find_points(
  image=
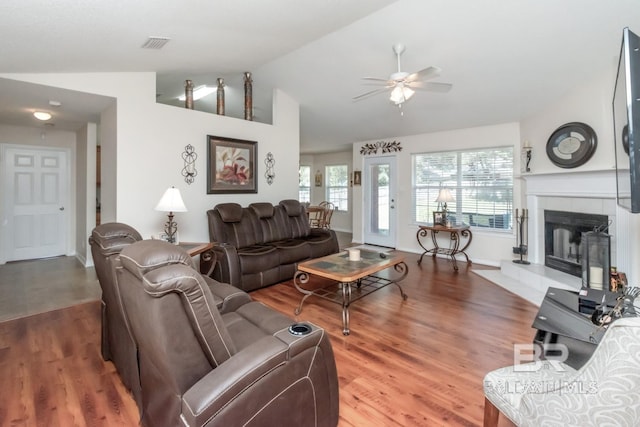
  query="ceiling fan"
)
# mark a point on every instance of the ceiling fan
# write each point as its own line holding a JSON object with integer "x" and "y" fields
{"x": 402, "y": 85}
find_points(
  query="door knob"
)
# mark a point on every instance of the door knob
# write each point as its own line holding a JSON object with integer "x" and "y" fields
{"x": 62, "y": 208}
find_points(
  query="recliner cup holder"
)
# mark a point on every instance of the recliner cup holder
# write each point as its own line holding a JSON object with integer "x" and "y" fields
{"x": 299, "y": 329}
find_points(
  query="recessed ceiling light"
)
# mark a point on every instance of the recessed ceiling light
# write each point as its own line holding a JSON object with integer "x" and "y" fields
{"x": 41, "y": 115}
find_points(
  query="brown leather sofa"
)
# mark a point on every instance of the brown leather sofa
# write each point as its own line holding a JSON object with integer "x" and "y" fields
{"x": 200, "y": 367}
{"x": 262, "y": 244}
{"x": 107, "y": 241}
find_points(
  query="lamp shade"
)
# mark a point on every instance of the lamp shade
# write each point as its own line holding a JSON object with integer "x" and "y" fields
{"x": 171, "y": 201}
{"x": 445, "y": 196}
{"x": 400, "y": 94}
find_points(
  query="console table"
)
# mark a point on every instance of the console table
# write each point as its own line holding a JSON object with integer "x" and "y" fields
{"x": 205, "y": 250}
{"x": 456, "y": 232}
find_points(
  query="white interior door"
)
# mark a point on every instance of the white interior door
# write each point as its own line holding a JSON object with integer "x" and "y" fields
{"x": 36, "y": 193}
{"x": 379, "y": 183}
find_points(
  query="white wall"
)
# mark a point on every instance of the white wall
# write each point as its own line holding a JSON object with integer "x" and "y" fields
{"x": 501, "y": 243}
{"x": 592, "y": 105}
{"x": 149, "y": 139}
{"x": 340, "y": 221}
{"x": 86, "y": 190}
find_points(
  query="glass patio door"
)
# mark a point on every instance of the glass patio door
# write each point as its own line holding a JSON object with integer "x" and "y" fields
{"x": 379, "y": 184}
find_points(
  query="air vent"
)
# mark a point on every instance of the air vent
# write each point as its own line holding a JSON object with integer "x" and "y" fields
{"x": 155, "y": 42}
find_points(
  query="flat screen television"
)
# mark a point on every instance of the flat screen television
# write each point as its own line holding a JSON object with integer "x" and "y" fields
{"x": 626, "y": 123}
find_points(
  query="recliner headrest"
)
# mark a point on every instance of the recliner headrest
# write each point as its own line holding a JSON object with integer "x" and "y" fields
{"x": 292, "y": 207}
{"x": 203, "y": 315}
{"x": 111, "y": 237}
{"x": 263, "y": 210}
{"x": 147, "y": 255}
{"x": 229, "y": 212}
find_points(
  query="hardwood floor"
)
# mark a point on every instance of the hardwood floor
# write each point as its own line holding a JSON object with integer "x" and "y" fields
{"x": 414, "y": 363}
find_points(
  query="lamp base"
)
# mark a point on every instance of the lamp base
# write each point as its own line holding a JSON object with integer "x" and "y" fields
{"x": 171, "y": 229}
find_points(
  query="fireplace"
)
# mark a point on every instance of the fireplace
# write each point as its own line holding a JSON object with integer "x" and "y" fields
{"x": 562, "y": 237}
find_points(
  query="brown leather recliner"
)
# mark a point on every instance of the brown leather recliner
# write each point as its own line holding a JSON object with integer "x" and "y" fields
{"x": 107, "y": 240}
{"x": 118, "y": 344}
{"x": 202, "y": 367}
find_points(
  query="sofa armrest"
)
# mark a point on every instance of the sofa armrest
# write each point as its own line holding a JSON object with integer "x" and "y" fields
{"x": 231, "y": 297}
{"x": 228, "y": 381}
{"x": 227, "y": 269}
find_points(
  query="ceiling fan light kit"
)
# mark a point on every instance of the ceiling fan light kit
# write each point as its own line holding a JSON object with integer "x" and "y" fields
{"x": 403, "y": 84}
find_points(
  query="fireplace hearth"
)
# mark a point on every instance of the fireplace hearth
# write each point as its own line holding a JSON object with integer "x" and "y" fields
{"x": 563, "y": 235}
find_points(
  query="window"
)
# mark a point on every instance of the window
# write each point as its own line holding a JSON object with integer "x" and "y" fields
{"x": 481, "y": 182}
{"x": 337, "y": 185}
{"x": 304, "y": 184}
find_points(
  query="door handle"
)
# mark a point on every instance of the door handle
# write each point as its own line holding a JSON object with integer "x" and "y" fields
{"x": 61, "y": 208}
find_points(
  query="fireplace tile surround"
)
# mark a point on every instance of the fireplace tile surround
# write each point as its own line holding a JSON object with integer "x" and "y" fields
{"x": 591, "y": 192}
{"x": 586, "y": 192}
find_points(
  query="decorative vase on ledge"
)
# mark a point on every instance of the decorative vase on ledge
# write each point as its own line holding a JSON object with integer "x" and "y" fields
{"x": 248, "y": 96}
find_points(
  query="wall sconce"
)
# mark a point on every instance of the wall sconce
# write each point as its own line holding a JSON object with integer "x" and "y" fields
{"x": 526, "y": 157}
{"x": 189, "y": 170}
{"x": 270, "y": 162}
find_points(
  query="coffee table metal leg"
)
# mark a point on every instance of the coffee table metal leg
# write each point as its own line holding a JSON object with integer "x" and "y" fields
{"x": 404, "y": 270}
{"x": 303, "y": 278}
{"x": 346, "y": 300}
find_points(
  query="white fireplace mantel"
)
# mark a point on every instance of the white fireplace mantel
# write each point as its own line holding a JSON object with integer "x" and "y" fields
{"x": 589, "y": 184}
{"x": 584, "y": 191}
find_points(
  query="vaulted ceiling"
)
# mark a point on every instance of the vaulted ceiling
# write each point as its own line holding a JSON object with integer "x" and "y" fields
{"x": 505, "y": 59}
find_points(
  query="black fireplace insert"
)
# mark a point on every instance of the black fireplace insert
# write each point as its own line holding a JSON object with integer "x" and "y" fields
{"x": 562, "y": 237}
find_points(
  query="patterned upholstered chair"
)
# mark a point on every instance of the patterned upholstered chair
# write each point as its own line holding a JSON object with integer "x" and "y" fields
{"x": 605, "y": 391}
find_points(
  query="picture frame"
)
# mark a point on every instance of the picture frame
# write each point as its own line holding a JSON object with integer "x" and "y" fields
{"x": 318, "y": 179}
{"x": 357, "y": 177}
{"x": 439, "y": 218}
{"x": 231, "y": 165}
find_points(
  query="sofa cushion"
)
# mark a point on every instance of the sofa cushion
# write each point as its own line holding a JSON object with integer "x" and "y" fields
{"x": 292, "y": 250}
{"x": 230, "y": 223}
{"x": 294, "y": 219}
{"x": 322, "y": 242}
{"x": 230, "y": 212}
{"x": 264, "y": 216}
{"x": 258, "y": 258}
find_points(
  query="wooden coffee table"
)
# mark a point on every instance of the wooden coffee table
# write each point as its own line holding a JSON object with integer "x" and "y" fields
{"x": 363, "y": 274}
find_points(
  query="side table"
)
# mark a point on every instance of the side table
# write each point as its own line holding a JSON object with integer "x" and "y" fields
{"x": 207, "y": 256}
{"x": 456, "y": 232}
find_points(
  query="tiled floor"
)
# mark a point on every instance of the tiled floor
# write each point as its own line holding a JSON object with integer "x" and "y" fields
{"x": 37, "y": 286}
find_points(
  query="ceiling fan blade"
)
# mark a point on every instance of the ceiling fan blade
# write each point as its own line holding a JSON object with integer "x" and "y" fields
{"x": 427, "y": 73}
{"x": 370, "y": 93}
{"x": 431, "y": 86}
{"x": 376, "y": 79}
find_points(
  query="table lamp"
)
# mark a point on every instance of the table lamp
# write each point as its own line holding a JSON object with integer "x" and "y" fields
{"x": 171, "y": 202}
{"x": 444, "y": 196}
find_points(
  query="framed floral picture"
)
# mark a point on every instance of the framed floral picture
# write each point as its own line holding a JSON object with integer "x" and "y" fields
{"x": 231, "y": 165}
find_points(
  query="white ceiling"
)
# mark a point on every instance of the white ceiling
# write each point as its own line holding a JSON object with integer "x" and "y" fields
{"x": 505, "y": 59}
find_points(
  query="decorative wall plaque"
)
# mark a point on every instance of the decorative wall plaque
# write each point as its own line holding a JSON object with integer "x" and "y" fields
{"x": 385, "y": 146}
